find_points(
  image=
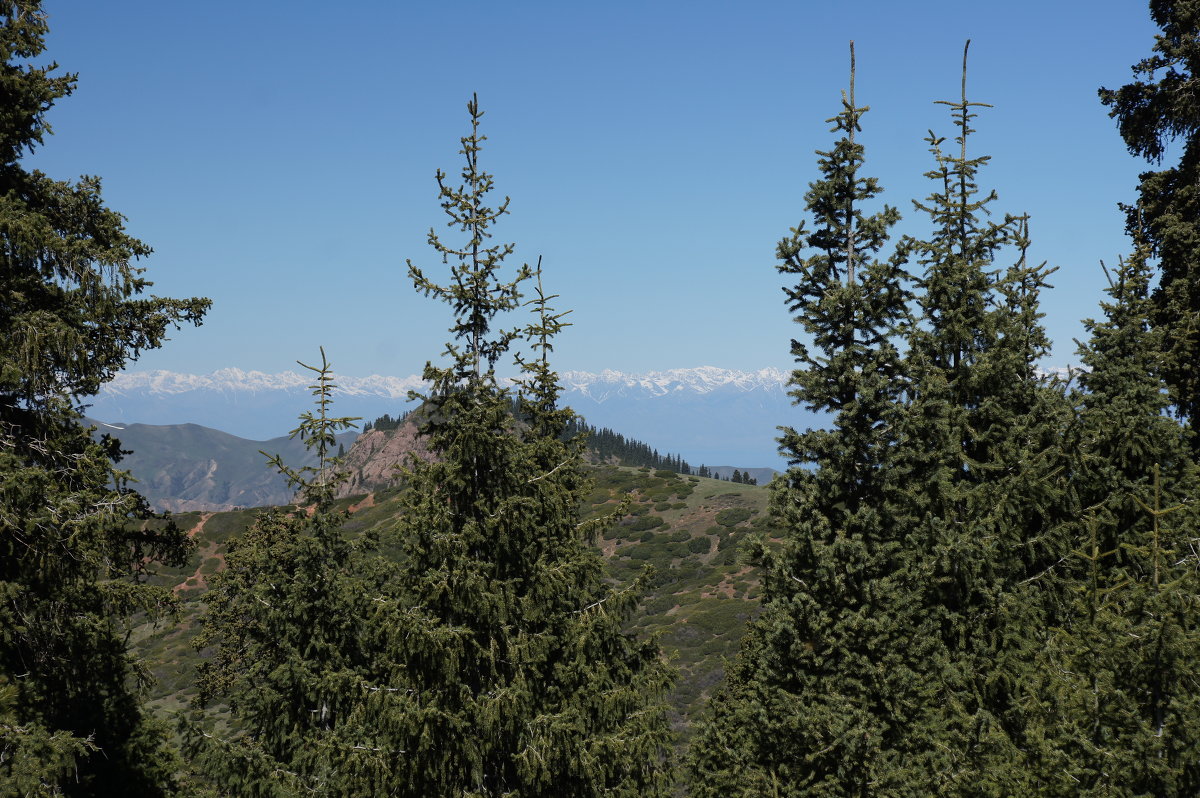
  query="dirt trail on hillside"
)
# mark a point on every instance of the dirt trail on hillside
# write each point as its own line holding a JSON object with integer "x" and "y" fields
{"x": 368, "y": 501}
{"x": 197, "y": 580}
{"x": 199, "y": 527}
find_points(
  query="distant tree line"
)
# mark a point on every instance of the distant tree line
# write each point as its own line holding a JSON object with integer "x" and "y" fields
{"x": 386, "y": 423}
{"x": 608, "y": 445}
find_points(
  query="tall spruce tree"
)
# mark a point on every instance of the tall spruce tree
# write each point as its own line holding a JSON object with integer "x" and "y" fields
{"x": 826, "y": 693}
{"x": 1120, "y": 675}
{"x": 501, "y": 667}
{"x": 71, "y": 552}
{"x": 979, "y": 472}
{"x": 1154, "y": 111}
{"x": 284, "y": 622}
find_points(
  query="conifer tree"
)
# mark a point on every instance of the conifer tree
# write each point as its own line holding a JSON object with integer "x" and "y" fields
{"x": 72, "y": 552}
{"x": 502, "y": 668}
{"x": 285, "y": 624}
{"x": 1155, "y": 110}
{"x": 825, "y": 696}
{"x": 1120, "y": 675}
{"x": 978, "y": 471}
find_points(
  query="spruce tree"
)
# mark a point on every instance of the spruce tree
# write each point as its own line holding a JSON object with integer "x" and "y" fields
{"x": 501, "y": 667}
{"x": 1119, "y": 675}
{"x": 284, "y": 622}
{"x": 1154, "y": 111}
{"x": 826, "y": 694}
{"x": 73, "y": 555}
{"x": 978, "y": 472}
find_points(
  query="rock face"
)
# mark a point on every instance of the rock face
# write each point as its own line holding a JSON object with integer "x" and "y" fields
{"x": 373, "y": 458}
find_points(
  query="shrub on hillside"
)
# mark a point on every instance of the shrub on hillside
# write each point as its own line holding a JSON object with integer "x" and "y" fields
{"x": 733, "y": 516}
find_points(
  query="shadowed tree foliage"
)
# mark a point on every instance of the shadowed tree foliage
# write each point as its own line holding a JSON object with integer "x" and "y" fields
{"x": 1121, "y": 682}
{"x": 71, "y": 561}
{"x": 1157, "y": 110}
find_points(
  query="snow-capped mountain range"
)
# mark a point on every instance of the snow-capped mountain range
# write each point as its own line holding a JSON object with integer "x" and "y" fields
{"x": 707, "y": 414}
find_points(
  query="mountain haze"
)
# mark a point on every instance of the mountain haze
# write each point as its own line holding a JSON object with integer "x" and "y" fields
{"x": 189, "y": 467}
{"x": 706, "y": 414}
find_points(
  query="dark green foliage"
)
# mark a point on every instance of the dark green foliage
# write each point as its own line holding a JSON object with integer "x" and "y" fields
{"x": 1152, "y": 112}
{"x": 608, "y": 446}
{"x": 70, "y": 560}
{"x": 645, "y": 522}
{"x": 1121, "y": 671}
{"x": 500, "y": 664}
{"x": 979, "y": 480}
{"x": 386, "y": 423}
{"x": 733, "y": 516}
{"x": 285, "y": 625}
{"x": 828, "y": 684}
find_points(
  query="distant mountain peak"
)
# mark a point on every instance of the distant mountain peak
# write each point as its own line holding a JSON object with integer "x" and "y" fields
{"x": 235, "y": 379}
{"x": 699, "y": 380}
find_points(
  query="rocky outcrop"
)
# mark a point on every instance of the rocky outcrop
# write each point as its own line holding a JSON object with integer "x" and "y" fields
{"x": 375, "y": 456}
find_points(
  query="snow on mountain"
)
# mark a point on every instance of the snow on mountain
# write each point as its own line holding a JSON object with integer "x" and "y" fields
{"x": 707, "y": 414}
{"x": 702, "y": 380}
{"x": 233, "y": 379}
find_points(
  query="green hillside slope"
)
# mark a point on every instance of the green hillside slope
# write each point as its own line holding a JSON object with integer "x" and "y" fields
{"x": 687, "y": 529}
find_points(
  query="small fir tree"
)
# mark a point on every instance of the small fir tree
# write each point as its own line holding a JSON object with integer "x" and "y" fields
{"x": 285, "y": 621}
{"x": 828, "y": 686}
{"x": 73, "y": 550}
{"x": 502, "y": 667}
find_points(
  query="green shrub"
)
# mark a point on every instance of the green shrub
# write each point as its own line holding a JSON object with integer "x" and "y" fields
{"x": 733, "y": 516}
{"x": 674, "y": 550}
{"x": 699, "y": 545}
{"x": 679, "y": 506}
{"x": 661, "y": 506}
{"x": 647, "y": 522}
{"x": 729, "y": 539}
{"x": 726, "y": 557}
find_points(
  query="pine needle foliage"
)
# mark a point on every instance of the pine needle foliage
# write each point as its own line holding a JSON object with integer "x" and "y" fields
{"x": 826, "y": 690}
{"x": 501, "y": 667}
{"x": 1121, "y": 680}
{"x": 979, "y": 470}
{"x": 1155, "y": 111}
{"x": 284, "y": 622}
{"x": 72, "y": 555}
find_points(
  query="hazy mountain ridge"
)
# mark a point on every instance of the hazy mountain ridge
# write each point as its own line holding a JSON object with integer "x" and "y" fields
{"x": 189, "y": 467}
{"x": 706, "y": 414}
{"x": 700, "y": 380}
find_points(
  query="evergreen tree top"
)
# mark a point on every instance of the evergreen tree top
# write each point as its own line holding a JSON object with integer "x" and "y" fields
{"x": 476, "y": 291}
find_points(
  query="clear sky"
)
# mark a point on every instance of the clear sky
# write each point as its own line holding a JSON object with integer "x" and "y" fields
{"x": 279, "y": 156}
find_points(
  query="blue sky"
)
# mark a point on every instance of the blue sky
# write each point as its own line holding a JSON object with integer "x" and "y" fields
{"x": 279, "y": 156}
